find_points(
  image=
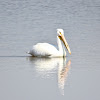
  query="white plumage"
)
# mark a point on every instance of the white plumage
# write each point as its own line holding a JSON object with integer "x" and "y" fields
{"x": 48, "y": 50}
{"x": 44, "y": 49}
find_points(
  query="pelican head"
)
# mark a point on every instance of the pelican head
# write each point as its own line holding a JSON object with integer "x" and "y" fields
{"x": 60, "y": 34}
{"x": 60, "y": 31}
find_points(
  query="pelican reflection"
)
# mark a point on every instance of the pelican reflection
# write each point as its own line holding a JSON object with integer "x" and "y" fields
{"x": 47, "y": 67}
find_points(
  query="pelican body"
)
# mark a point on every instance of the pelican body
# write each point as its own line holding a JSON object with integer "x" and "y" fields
{"x": 48, "y": 50}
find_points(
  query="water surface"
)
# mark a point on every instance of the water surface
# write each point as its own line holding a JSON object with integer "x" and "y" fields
{"x": 27, "y": 22}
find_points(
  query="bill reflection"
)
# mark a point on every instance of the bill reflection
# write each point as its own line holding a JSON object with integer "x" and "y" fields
{"x": 63, "y": 74}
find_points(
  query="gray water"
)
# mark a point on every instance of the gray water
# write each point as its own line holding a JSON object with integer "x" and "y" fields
{"x": 24, "y": 23}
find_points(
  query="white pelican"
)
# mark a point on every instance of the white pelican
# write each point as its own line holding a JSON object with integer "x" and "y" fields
{"x": 48, "y": 50}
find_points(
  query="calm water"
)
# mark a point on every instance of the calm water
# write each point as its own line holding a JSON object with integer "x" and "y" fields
{"x": 23, "y": 23}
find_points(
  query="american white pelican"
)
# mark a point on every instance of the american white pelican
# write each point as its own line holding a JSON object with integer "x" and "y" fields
{"x": 48, "y": 50}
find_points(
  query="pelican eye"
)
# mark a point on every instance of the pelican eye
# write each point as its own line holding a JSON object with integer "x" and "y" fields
{"x": 60, "y": 32}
